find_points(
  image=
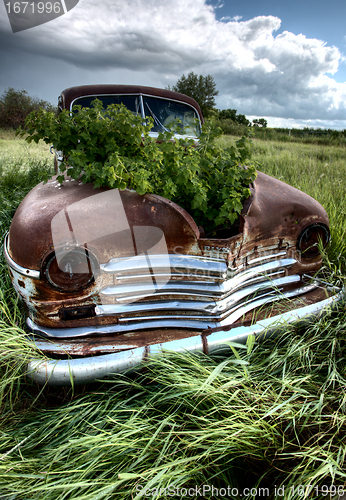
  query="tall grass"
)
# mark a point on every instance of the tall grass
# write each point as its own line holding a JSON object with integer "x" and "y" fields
{"x": 15, "y": 149}
{"x": 264, "y": 415}
{"x": 307, "y": 136}
{"x": 272, "y": 416}
{"x": 16, "y": 179}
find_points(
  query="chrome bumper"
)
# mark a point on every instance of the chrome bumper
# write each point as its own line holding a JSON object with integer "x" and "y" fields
{"x": 90, "y": 369}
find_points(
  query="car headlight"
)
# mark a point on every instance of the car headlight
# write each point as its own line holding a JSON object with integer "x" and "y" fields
{"x": 70, "y": 269}
{"x": 309, "y": 238}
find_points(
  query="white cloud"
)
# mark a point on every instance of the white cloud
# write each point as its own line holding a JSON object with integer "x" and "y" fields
{"x": 229, "y": 18}
{"x": 258, "y": 71}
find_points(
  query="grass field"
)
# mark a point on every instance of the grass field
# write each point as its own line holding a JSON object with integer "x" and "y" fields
{"x": 270, "y": 416}
{"x": 16, "y": 150}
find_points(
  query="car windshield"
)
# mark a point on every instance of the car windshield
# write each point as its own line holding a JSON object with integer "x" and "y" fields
{"x": 167, "y": 114}
{"x": 132, "y": 102}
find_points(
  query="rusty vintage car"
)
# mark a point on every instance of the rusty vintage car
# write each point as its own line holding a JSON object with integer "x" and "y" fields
{"x": 109, "y": 277}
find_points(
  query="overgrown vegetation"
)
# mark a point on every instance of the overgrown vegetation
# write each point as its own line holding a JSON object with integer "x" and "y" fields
{"x": 113, "y": 148}
{"x": 269, "y": 415}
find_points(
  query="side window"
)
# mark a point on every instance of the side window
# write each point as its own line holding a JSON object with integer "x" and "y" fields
{"x": 167, "y": 114}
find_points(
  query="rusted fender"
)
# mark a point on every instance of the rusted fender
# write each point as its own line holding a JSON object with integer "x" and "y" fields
{"x": 33, "y": 218}
{"x": 278, "y": 210}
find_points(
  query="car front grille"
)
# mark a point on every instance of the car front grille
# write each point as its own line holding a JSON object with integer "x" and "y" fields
{"x": 193, "y": 292}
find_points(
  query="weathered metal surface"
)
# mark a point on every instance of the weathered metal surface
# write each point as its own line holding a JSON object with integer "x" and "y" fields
{"x": 275, "y": 218}
{"x": 197, "y": 269}
{"x": 96, "y": 344}
{"x": 33, "y": 218}
{"x": 88, "y": 369}
{"x": 180, "y": 320}
{"x": 28, "y": 273}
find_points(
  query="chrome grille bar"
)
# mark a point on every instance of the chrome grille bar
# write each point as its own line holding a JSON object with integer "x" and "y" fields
{"x": 192, "y": 288}
{"x": 139, "y": 263}
{"x": 151, "y": 309}
{"x": 166, "y": 323}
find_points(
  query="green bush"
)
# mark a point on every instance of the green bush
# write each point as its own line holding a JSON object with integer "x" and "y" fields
{"x": 231, "y": 127}
{"x": 113, "y": 148}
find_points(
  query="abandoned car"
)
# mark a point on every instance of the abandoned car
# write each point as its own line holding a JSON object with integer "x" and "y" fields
{"x": 109, "y": 277}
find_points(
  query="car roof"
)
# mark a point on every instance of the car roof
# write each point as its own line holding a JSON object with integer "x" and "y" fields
{"x": 68, "y": 95}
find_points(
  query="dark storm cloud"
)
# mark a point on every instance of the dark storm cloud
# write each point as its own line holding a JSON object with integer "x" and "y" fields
{"x": 258, "y": 71}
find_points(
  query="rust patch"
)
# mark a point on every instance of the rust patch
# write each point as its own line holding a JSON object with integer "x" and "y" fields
{"x": 106, "y": 344}
{"x": 279, "y": 211}
{"x": 32, "y": 224}
{"x": 204, "y": 335}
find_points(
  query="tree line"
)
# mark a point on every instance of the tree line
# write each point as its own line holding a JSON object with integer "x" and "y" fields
{"x": 15, "y": 105}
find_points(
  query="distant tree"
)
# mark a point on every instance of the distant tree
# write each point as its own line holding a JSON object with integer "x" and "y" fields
{"x": 260, "y": 122}
{"x": 242, "y": 120}
{"x": 231, "y": 114}
{"x": 15, "y": 105}
{"x": 201, "y": 88}
{"x": 228, "y": 114}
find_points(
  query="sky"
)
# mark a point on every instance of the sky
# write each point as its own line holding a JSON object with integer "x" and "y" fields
{"x": 273, "y": 59}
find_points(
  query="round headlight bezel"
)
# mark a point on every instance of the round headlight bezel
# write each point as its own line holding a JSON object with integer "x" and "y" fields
{"x": 70, "y": 269}
{"x": 308, "y": 240}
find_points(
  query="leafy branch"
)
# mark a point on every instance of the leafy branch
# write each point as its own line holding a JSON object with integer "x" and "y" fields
{"x": 113, "y": 148}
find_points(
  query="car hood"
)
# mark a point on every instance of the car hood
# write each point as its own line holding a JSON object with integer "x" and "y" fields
{"x": 274, "y": 210}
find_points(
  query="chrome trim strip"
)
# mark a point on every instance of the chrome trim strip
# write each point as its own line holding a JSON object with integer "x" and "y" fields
{"x": 259, "y": 260}
{"x": 138, "y": 290}
{"x": 262, "y": 269}
{"x": 86, "y": 370}
{"x": 225, "y": 319}
{"x": 29, "y": 273}
{"x": 165, "y": 277}
{"x": 180, "y": 322}
{"x": 166, "y": 262}
{"x": 198, "y": 306}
